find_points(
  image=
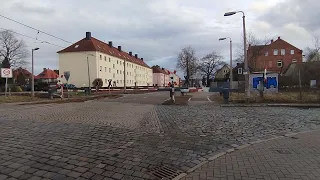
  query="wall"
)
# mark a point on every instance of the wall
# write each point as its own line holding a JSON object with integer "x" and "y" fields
{"x": 76, "y": 63}
{"x": 105, "y": 67}
{"x": 270, "y": 61}
{"x": 222, "y": 72}
{"x": 270, "y": 87}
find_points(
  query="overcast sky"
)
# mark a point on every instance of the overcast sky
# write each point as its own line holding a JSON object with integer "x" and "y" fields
{"x": 157, "y": 29}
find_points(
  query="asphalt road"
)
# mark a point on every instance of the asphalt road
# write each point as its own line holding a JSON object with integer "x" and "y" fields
{"x": 147, "y": 98}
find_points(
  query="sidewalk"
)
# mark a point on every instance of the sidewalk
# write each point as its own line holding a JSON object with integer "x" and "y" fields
{"x": 286, "y": 158}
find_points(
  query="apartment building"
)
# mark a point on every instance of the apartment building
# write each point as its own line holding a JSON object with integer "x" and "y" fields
{"x": 161, "y": 77}
{"x": 276, "y": 56}
{"x": 91, "y": 58}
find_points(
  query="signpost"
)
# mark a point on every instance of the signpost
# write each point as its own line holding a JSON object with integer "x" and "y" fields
{"x": 6, "y": 73}
{"x": 66, "y": 75}
{"x": 172, "y": 83}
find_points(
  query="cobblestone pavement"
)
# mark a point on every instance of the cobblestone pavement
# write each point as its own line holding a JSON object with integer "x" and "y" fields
{"x": 116, "y": 140}
{"x": 288, "y": 158}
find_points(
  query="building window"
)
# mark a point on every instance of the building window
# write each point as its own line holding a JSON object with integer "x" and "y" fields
{"x": 121, "y": 81}
{"x": 100, "y": 57}
{"x": 275, "y": 52}
{"x": 120, "y": 72}
{"x": 114, "y": 75}
{"x": 117, "y": 71}
{"x": 109, "y": 70}
{"x": 117, "y": 62}
{"x": 117, "y": 81}
{"x": 114, "y": 66}
{"x": 270, "y": 64}
{"x": 109, "y": 60}
{"x": 283, "y": 52}
{"x": 294, "y": 60}
{"x": 105, "y": 58}
{"x": 292, "y": 52}
{"x": 127, "y": 64}
{"x": 127, "y": 73}
{"x": 120, "y": 63}
{"x": 105, "y": 69}
{"x": 130, "y": 73}
{"x": 279, "y": 63}
{"x": 100, "y": 68}
{"x": 239, "y": 70}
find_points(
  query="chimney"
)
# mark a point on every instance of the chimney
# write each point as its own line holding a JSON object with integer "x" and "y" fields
{"x": 238, "y": 64}
{"x": 44, "y": 69}
{"x": 119, "y": 48}
{"x": 88, "y": 35}
{"x": 279, "y": 37}
{"x": 110, "y": 44}
{"x": 162, "y": 68}
{"x": 271, "y": 40}
{"x": 136, "y": 56}
{"x": 130, "y": 53}
{"x": 141, "y": 59}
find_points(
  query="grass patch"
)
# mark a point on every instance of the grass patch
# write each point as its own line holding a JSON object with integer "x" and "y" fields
{"x": 14, "y": 99}
{"x": 285, "y": 97}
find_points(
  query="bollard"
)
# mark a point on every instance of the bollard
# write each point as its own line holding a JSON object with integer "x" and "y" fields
{"x": 225, "y": 93}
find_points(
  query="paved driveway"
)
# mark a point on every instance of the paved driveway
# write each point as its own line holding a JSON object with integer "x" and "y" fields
{"x": 111, "y": 139}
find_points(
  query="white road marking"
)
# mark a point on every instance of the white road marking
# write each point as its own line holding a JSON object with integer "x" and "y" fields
{"x": 189, "y": 99}
{"x": 144, "y": 97}
{"x": 209, "y": 99}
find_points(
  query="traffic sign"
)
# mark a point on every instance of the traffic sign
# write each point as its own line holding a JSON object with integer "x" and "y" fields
{"x": 67, "y": 75}
{"x": 6, "y": 73}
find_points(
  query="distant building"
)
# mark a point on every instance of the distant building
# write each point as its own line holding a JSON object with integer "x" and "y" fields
{"x": 308, "y": 71}
{"x": 100, "y": 60}
{"x": 222, "y": 73}
{"x": 161, "y": 77}
{"x": 275, "y": 57}
{"x": 21, "y": 73}
{"x": 47, "y": 76}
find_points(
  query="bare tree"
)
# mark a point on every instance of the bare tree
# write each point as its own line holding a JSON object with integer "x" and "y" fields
{"x": 252, "y": 40}
{"x": 313, "y": 54}
{"x": 13, "y": 49}
{"x": 187, "y": 62}
{"x": 209, "y": 63}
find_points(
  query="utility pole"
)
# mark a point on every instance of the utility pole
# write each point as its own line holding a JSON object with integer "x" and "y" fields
{"x": 231, "y": 70}
{"x": 124, "y": 76}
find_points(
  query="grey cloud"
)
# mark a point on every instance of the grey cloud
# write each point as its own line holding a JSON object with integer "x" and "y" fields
{"x": 156, "y": 30}
{"x": 303, "y": 12}
{"x": 32, "y": 8}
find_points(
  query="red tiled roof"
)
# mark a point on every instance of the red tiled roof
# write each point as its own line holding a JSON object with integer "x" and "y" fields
{"x": 25, "y": 72}
{"x": 96, "y": 45}
{"x": 47, "y": 74}
{"x": 158, "y": 69}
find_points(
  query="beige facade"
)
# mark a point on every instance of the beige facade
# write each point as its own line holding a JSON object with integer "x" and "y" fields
{"x": 102, "y": 66}
{"x": 91, "y": 58}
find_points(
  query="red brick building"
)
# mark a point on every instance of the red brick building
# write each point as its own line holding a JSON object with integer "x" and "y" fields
{"x": 276, "y": 56}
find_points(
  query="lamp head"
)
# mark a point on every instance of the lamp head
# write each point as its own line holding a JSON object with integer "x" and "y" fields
{"x": 230, "y": 13}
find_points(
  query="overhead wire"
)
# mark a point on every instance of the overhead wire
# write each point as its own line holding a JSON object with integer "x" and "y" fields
{"x": 34, "y": 29}
{"x": 41, "y": 41}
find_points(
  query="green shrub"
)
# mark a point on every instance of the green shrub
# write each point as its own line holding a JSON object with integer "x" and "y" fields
{"x": 16, "y": 89}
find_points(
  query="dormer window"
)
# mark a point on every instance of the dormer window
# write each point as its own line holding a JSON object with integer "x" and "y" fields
{"x": 76, "y": 46}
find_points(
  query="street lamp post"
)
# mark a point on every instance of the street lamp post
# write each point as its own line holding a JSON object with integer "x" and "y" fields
{"x": 231, "y": 70}
{"x": 246, "y": 68}
{"x": 32, "y": 69}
